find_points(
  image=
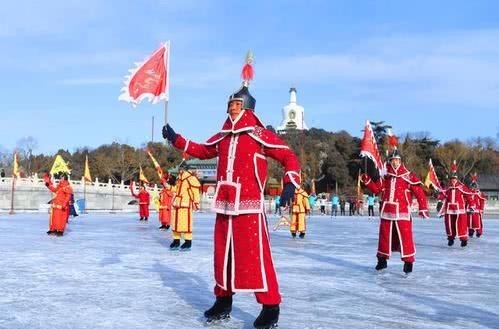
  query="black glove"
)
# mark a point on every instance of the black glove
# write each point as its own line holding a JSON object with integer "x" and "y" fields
{"x": 372, "y": 171}
{"x": 47, "y": 184}
{"x": 288, "y": 192}
{"x": 169, "y": 133}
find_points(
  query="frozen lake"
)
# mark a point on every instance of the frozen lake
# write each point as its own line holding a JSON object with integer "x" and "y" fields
{"x": 112, "y": 271}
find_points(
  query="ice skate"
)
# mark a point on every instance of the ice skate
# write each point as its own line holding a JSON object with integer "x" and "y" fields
{"x": 382, "y": 264}
{"x": 407, "y": 267}
{"x": 186, "y": 246}
{"x": 219, "y": 311}
{"x": 268, "y": 318}
{"x": 175, "y": 244}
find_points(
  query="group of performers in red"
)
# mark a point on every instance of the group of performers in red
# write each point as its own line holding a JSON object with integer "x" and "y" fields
{"x": 462, "y": 207}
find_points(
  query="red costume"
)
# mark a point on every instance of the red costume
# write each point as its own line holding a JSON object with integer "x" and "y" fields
{"x": 59, "y": 211}
{"x": 165, "y": 205}
{"x": 475, "y": 213}
{"x": 144, "y": 200}
{"x": 456, "y": 197}
{"x": 395, "y": 230}
{"x": 242, "y": 257}
{"x": 243, "y": 261}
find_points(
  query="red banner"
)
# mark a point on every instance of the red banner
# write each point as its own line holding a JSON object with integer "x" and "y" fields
{"x": 149, "y": 80}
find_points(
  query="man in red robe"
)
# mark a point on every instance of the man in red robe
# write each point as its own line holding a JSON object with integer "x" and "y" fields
{"x": 456, "y": 197}
{"x": 242, "y": 257}
{"x": 59, "y": 208}
{"x": 165, "y": 202}
{"x": 144, "y": 200}
{"x": 397, "y": 189}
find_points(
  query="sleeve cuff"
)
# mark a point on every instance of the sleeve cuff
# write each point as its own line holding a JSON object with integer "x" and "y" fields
{"x": 292, "y": 177}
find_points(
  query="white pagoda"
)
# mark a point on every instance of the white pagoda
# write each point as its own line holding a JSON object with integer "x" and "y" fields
{"x": 293, "y": 115}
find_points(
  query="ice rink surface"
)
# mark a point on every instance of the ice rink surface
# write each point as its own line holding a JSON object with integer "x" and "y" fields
{"x": 112, "y": 271}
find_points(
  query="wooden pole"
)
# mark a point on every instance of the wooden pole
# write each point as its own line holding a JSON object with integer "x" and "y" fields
{"x": 12, "y": 212}
{"x": 84, "y": 196}
{"x": 152, "y": 130}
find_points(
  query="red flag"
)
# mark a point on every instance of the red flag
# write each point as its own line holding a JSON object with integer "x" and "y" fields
{"x": 431, "y": 178}
{"x": 369, "y": 147}
{"x": 149, "y": 79}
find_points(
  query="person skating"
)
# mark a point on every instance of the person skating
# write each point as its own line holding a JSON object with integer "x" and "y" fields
{"x": 397, "y": 188}
{"x": 242, "y": 256}
{"x": 165, "y": 202}
{"x": 144, "y": 200}
{"x": 299, "y": 210}
{"x": 456, "y": 198}
{"x": 186, "y": 199}
{"x": 59, "y": 208}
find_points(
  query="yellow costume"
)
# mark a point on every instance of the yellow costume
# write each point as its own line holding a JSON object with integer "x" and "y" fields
{"x": 300, "y": 208}
{"x": 186, "y": 199}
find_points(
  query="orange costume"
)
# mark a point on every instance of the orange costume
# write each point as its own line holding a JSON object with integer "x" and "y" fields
{"x": 59, "y": 205}
{"x": 165, "y": 206}
{"x": 144, "y": 200}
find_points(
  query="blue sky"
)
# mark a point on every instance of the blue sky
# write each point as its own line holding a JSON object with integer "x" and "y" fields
{"x": 420, "y": 66}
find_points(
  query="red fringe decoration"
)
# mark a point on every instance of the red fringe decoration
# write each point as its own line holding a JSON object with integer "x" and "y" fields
{"x": 247, "y": 72}
{"x": 393, "y": 141}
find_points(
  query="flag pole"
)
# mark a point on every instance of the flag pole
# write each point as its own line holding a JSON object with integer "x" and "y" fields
{"x": 167, "y": 84}
{"x": 84, "y": 195}
{"x": 12, "y": 212}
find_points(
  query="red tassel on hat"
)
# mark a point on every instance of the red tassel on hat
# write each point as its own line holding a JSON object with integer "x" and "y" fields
{"x": 454, "y": 166}
{"x": 247, "y": 73}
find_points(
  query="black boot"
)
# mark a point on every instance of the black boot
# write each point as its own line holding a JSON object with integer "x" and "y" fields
{"x": 464, "y": 243}
{"x": 293, "y": 234}
{"x": 186, "y": 246}
{"x": 146, "y": 218}
{"x": 268, "y": 317}
{"x": 141, "y": 218}
{"x": 59, "y": 233}
{"x": 470, "y": 233}
{"x": 162, "y": 227}
{"x": 167, "y": 227}
{"x": 302, "y": 235}
{"x": 478, "y": 234}
{"x": 220, "y": 309}
{"x": 175, "y": 244}
{"x": 50, "y": 232}
{"x": 407, "y": 267}
{"x": 382, "y": 264}
{"x": 450, "y": 242}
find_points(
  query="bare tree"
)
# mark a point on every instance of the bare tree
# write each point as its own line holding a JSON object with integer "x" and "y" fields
{"x": 25, "y": 148}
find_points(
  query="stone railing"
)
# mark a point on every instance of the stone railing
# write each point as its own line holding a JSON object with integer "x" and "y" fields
{"x": 31, "y": 194}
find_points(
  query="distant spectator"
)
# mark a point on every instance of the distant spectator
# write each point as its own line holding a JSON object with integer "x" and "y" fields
{"x": 2, "y": 173}
{"x": 335, "y": 201}
{"x": 277, "y": 207}
{"x": 360, "y": 207}
{"x": 351, "y": 204}
{"x": 322, "y": 203}
{"x": 342, "y": 207}
{"x": 370, "y": 205}
{"x": 311, "y": 200}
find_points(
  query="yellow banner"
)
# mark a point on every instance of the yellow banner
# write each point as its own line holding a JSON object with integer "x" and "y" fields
{"x": 142, "y": 177}
{"x": 15, "y": 169}
{"x": 86, "y": 174}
